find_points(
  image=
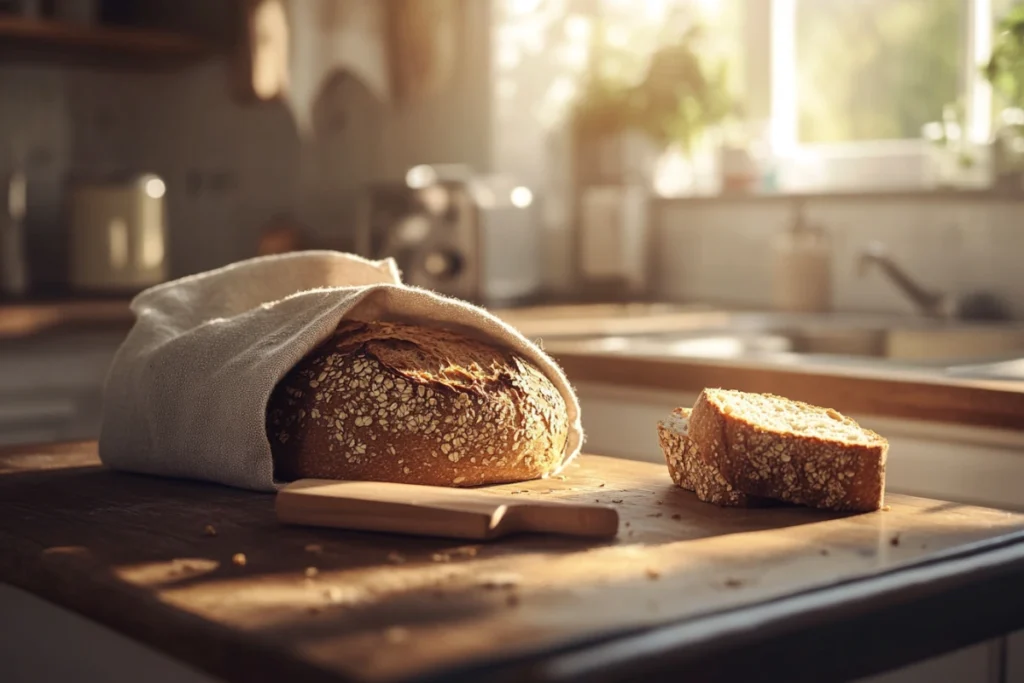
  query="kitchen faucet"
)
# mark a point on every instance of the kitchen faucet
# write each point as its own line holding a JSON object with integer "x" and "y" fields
{"x": 932, "y": 304}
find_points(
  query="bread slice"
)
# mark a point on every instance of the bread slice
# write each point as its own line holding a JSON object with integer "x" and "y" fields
{"x": 689, "y": 471}
{"x": 773, "y": 447}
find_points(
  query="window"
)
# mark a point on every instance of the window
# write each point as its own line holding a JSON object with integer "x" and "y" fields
{"x": 876, "y": 69}
{"x": 855, "y": 83}
{"x": 542, "y": 49}
{"x": 842, "y": 92}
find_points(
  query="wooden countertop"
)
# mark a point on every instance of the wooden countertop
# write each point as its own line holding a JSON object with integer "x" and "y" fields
{"x": 25, "y": 319}
{"x": 685, "y": 588}
{"x": 877, "y": 390}
{"x": 855, "y": 391}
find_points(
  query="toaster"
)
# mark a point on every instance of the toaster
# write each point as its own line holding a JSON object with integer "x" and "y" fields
{"x": 457, "y": 233}
{"x": 118, "y": 234}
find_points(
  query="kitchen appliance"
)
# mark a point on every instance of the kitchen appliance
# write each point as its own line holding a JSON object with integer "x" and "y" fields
{"x": 118, "y": 234}
{"x": 436, "y": 511}
{"x": 13, "y": 265}
{"x": 455, "y": 232}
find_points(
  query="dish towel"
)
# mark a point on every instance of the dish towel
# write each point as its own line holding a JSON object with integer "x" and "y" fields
{"x": 187, "y": 391}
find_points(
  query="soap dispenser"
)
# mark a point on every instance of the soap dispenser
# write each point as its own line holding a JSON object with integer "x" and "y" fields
{"x": 802, "y": 268}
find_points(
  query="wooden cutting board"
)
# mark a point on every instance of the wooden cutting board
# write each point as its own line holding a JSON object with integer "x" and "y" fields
{"x": 210, "y": 575}
{"x": 476, "y": 514}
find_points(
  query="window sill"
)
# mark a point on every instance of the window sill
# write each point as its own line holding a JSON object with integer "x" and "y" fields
{"x": 899, "y": 169}
{"x": 932, "y": 195}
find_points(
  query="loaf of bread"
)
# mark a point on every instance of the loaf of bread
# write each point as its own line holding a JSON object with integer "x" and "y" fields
{"x": 754, "y": 447}
{"x": 691, "y": 472}
{"x": 386, "y": 401}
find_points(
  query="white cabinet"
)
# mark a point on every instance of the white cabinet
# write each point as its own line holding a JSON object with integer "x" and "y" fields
{"x": 975, "y": 664}
{"x": 51, "y": 386}
{"x": 1015, "y": 658}
{"x": 43, "y": 642}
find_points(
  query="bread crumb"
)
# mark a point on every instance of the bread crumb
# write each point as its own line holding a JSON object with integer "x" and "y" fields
{"x": 561, "y": 477}
{"x": 824, "y": 551}
{"x": 895, "y": 540}
{"x": 441, "y": 557}
{"x": 395, "y": 557}
{"x": 601, "y": 485}
{"x": 311, "y": 572}
{"x": 314, "y": 609}
{"x": 655, "y": 514}
{"x": 733, "y": 583}
{"x": 617, "y": 500}
{"x": 653, "y": 574}
{"x": 208, "y": 530}
{"x": 886, "y": 508}
{"x": 314, "y": 548}
{"x": 511, "y": 599}
{"x": 466, "y": 550}
{"x": 396, "y": 634}
{"x": 501, "y": 580}
{"x": 627, "y": 523}
{"x": 238, "y": 559}
{"x": 677, "y": 516}
{"x": 333, "y": 594}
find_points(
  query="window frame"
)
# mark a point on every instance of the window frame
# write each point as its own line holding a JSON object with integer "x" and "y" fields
{"x": 898, "y": 164}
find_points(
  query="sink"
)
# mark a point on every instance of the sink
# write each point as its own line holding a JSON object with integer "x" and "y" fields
{"x": 835, "y": 338}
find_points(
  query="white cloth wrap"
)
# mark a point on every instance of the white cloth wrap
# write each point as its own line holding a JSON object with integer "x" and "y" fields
{"x": 187, "y": 391}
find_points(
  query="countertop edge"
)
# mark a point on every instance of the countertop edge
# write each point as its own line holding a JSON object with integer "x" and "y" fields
{"x": 892, "y": 394}
{"x": 805, "y": 624}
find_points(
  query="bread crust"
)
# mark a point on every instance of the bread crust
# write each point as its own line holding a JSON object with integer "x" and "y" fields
{"x": 384, "y": 401}
{"x": 791, "y": 467}
{"x": 691, "y": 472}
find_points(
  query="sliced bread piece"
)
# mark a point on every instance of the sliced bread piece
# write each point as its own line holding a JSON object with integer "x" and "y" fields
{"x": 773, "y": 447}
{"x": 689, "y": 471}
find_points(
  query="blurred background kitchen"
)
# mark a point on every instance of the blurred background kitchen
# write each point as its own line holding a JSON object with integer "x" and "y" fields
{"x": 807, "y": 157}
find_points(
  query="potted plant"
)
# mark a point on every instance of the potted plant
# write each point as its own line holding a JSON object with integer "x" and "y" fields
{"x": 621, "y": 126}
{"x": 1005, "y": 71}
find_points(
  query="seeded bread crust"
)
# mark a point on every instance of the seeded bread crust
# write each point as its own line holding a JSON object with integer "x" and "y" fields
{"x": 797, "y": 468}
{"x": 689, "y": 471}
{"x": 384, "y": 401}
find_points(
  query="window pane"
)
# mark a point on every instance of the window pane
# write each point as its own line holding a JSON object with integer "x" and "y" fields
{"x": 542, "y": 48}
{"x": 876, "y": 69}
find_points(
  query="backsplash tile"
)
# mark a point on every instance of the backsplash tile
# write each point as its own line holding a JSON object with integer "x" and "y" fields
{"x": 720, "y": 252}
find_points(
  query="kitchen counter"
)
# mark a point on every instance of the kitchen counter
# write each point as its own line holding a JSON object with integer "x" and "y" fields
{"x": 784, "y": 593}
{"x": 858, "y": 386}
{"x": 26, "y": 319}
{"x": 857, "y": 390}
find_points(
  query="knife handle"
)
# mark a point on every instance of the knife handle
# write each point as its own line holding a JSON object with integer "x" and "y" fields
{"x": 586, "y": 521}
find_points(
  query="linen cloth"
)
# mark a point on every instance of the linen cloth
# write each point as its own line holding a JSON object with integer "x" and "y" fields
{"x": 187, "y": 390}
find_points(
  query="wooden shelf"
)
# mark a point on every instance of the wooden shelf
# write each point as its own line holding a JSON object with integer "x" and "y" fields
{"x": 41, "y": 37}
